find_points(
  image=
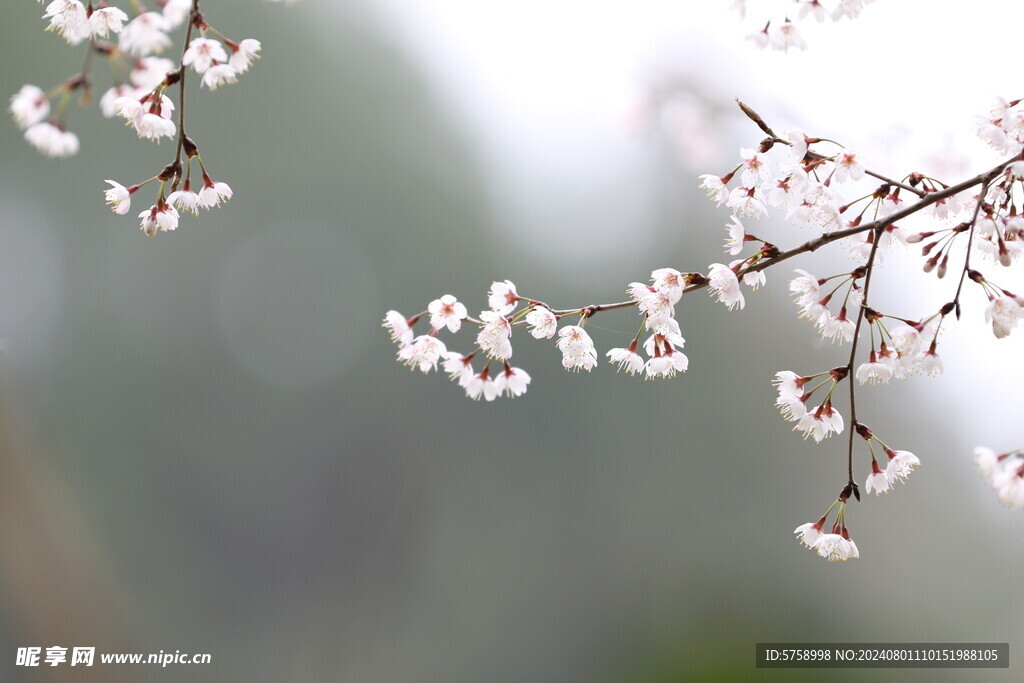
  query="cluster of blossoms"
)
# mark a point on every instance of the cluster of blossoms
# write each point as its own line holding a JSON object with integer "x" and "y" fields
{"x": 140, "y": 93}
{"x": 836, "y": 544}
{"x": 815, "y": 183}
{"x": 660, "y": 355}
{"x": 425, "y": 351}
{"x": 781, "y": 32}
{"x": 819, "y": 187}
{"x": 1004, "y": 472}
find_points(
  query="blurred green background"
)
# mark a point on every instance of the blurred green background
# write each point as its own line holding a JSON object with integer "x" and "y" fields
{"x": 207, "y": 444}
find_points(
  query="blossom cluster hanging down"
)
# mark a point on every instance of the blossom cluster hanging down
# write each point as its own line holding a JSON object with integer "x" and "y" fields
{"x": 144, "y": 85}
{"x": 814, "y": 183}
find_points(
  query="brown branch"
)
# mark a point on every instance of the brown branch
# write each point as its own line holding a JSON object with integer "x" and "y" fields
{"x": 850, "y": 371}
{"x": 829, "y": 237}
{"x": 193, "y": 17}
{"x": 890, "y": 181}
{"x": 970, "y": 242}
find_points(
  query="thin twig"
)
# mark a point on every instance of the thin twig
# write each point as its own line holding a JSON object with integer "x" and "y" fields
{"x": 182, "y": 71}
{"x": 850, "y": 374}
{"x": 970, "y": 242}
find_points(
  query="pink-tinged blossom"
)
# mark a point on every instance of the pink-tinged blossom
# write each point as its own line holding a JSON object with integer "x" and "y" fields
{"x": 835, "y": 547}
{"x": 213, "y": 193}
{"x": 810, "y": 532}
{"x": 108, "y": 101}
{"x": 736, "y": 236}
{"x": 797, "y": 146}
{"x": 788, "y": 383}
{"x": 986, "y": 460}
{"x": 847, "y": 166}
{"x": 177, "y": 11}
{"x": 784, "y": 36}
{"x": 219, "y": 75}
{"x": 502, "y": 297}
{"x": 423, "y": 352}
{"x": 244, "y": 54}
{"x": 755, "y": 168}
{"x": 754, "y": 279}
{"x": 874, "y": 371}
{"x": 482, "y": 385}
{"x": 901, "y": 464}
{"x": 805, "y": 288}
{"x": 105, "y": 21}
{"x": 813, "y": 8}
{"x": 493, "y": 338}
{"x": 666, "y": 363}
{"x": 667, "y": 328}
{"x": 877, "y": 480}
{"x": 747, "y": 202}
{"x": 150, "y": 72}
{"x": 146, "y": 34}
{"x": 838, "y": 328}
{"x": 543, "y": 322}
{"x": 446, "y": 312}
{"x": 669, "y": 282}
{"x": 821, "y": 422}
{"x": 52, "y": 141}
{"x": 185, "y": 200}
{"x": 160, "y": 217}
{"x": 512, "y": 381}
{"x": 655, "y": 304}
{"x": 399, "y": 328}
{"x": 578, "y": 352}
{"x": 725, "y": 286}
{"x": 150, "y": 116}
{"x": 29, "y": 106}
{"x": 119, "y": 197}
{"x": 716, "y": 188}
{"x": 906, "y": 340}
{"x": 203, "y": 53}
{"x": 626, "y": 359}
{"x": 931, "y": 363}
{"x": 458, "y": 367}
{"x": 1004, "y": 314}
{"x": 68, "y": 18}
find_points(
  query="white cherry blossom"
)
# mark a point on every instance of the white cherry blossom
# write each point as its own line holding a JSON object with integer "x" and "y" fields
{"x": 511, "y": 381}
{"x": 398, "y": 328}
{"x": 502, "y": 297}
{"x": 578, "y": 352}
{"x": 493, "y": 338}
{"x": 423, "y": 352}
{"x": 543, "y": 322}
{"x": 446, "y": 312}
{"x": 725, "y": 286}
{"x": 119, "y": 197}
{"x": 29, "y": 106}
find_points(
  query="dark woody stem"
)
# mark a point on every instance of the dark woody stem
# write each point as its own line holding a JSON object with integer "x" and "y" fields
{"x": 869, "y": 268}
{"x": 829, "y": 237}
{"x": 970, "y": 242}
{"x": 182, "y": 71}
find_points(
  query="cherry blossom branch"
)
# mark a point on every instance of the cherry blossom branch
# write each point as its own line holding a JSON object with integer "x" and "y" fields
{"x": 143, "y": 99}
{"x": 775, "y": 139}
{"x": 828, "y": 237}
{"x": 813, "y": 188}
